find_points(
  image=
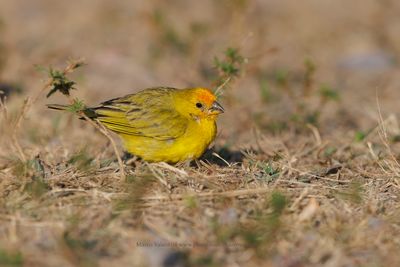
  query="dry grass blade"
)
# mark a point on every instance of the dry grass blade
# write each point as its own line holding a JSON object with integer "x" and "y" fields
{"x": 395, "y": 165}
{"x": 106, "y": 133}
{"x": 218, "y": 156}
{"x": 166, "y": 166}
{"x": 159, "y": 175}
{"x": 233, "y": 193}
{"x": 218, "y": 90}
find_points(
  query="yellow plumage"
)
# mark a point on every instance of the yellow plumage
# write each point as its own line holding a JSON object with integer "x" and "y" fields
{"x": 161, "y": 124}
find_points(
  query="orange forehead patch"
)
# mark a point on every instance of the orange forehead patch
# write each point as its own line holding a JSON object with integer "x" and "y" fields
{"x": 205, "y": 95}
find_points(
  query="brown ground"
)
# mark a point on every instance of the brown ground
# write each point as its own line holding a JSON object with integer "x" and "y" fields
{"x": 310, "y": 135}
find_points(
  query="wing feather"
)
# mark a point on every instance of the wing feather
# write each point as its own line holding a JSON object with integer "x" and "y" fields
{"x": 148, "y": 113}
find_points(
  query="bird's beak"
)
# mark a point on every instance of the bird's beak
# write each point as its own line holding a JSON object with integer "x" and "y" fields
{"x": 216, "y": 108}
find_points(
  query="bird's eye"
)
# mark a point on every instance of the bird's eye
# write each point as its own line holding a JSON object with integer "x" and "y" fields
{"x": 199, "y": 105}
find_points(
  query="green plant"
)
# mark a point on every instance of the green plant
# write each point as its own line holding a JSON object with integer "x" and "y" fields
{"x": 282, "y": 85}
{"x": 228, "y": 67}
{"x": 11, "y": 259}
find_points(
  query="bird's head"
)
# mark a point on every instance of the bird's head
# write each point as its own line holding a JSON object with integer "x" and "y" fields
{"x": 198, "y": 103}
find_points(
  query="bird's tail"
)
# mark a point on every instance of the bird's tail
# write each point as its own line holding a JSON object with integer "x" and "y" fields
{"x": 57, "y": 107}
{"x": 90, "y": 113}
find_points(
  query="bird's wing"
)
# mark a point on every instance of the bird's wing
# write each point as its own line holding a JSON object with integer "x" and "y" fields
{"x": 148, "y": 113}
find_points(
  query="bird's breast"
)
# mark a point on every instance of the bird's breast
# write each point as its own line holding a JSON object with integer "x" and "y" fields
{"x": 202, "y": 133}
{"x": 191, "y": 145}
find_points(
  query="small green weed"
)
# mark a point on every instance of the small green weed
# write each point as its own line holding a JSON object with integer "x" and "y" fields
{"x": 283, "y": 85}
{"x": 353, "y": 193}
{"x": 82, "y": 160}
{"x": 230, "y": 66}
{"x": 11, "y": 259}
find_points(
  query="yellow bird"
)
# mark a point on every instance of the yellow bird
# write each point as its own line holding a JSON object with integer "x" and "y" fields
{"x": 161, "y": 124}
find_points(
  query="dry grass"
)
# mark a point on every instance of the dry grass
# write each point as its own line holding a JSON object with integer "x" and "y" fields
{"x": 305, "y": 170}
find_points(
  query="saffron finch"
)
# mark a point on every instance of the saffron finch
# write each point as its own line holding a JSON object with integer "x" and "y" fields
{"x": 161, "y": 124}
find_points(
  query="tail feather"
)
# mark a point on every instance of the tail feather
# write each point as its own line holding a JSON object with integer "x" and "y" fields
{"x": 90, "y": 113}
{"x": 57, "y": 106}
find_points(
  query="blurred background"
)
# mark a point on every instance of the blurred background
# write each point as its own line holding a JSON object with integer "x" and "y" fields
{"x": 295, "y": 57}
